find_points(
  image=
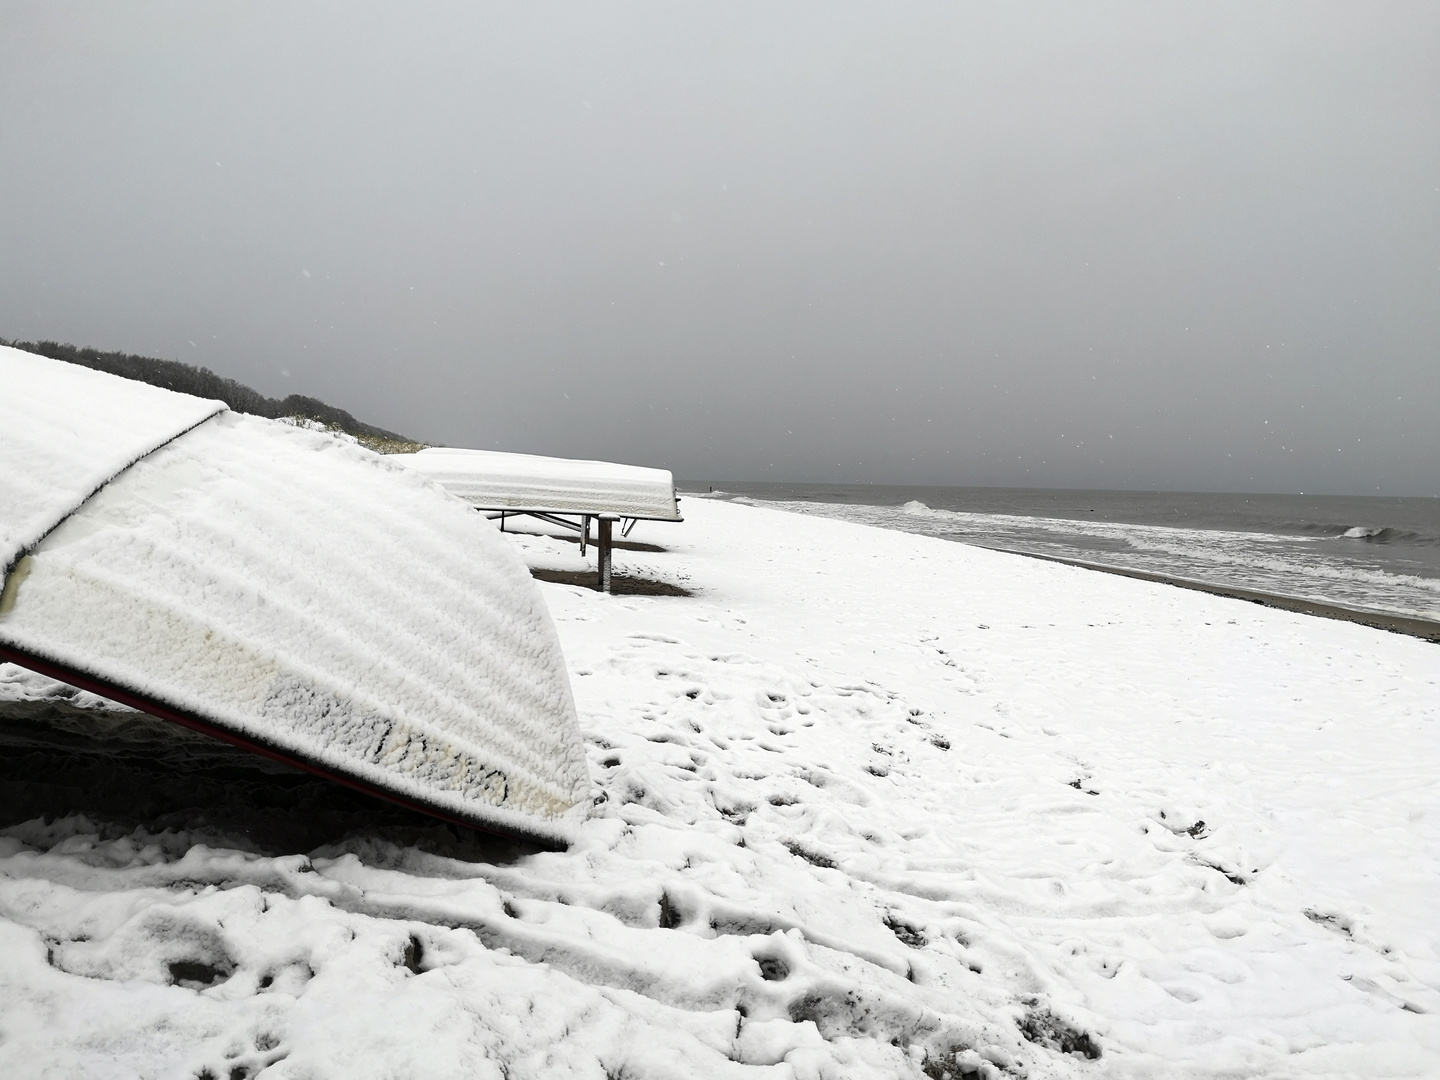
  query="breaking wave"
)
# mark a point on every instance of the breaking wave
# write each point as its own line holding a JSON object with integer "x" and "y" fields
{"x": 1387, "y": 536}
{"x": 1370, "y": 534}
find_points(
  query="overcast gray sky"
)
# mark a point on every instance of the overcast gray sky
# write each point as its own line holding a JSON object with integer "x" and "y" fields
{"x": 1101, "y": 245}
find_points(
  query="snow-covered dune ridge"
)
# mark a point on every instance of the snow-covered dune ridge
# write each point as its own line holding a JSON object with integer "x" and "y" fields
{"x": 869, "y": 805}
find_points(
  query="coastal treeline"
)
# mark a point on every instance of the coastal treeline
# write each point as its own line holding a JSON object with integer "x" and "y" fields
{"x": 202, "y": 382}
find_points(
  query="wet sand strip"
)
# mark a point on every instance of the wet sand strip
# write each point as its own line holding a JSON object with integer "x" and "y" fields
{"x": 1396, "y": 624}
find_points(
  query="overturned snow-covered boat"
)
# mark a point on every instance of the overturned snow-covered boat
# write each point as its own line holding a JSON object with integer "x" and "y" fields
{"x": 528, "y": 484}
{"x": 567, "y": 492}
{"x": 283, "y": 590}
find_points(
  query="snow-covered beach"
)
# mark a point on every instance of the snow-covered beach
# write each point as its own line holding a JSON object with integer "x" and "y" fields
{"x": 866, "y": 804}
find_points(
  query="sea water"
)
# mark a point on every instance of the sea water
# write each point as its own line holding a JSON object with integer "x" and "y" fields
{"x": 1373, "y": 553}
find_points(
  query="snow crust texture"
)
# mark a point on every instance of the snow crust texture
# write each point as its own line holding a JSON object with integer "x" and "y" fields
{"x": 299, "y": 592}
{"x": 870, "y": 805}
{"x": 497, "y": 481}
{"x": 65, "y": 430}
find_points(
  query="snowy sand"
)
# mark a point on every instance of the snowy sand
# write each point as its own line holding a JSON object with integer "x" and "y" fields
{"x": 868, "y": 804}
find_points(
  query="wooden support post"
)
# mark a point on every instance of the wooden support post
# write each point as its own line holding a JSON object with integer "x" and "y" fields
{"x": 603, "y": 548}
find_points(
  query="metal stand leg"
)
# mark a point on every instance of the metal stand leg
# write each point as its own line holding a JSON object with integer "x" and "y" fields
{"x": 584, "y": 533}
{"x": 603, "y": 547}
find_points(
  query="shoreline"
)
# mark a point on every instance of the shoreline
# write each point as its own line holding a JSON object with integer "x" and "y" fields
{"x": 1410, "y": 625}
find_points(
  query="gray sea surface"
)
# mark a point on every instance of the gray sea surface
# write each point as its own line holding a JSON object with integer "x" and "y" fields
{"x": 1372, "y": 553}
